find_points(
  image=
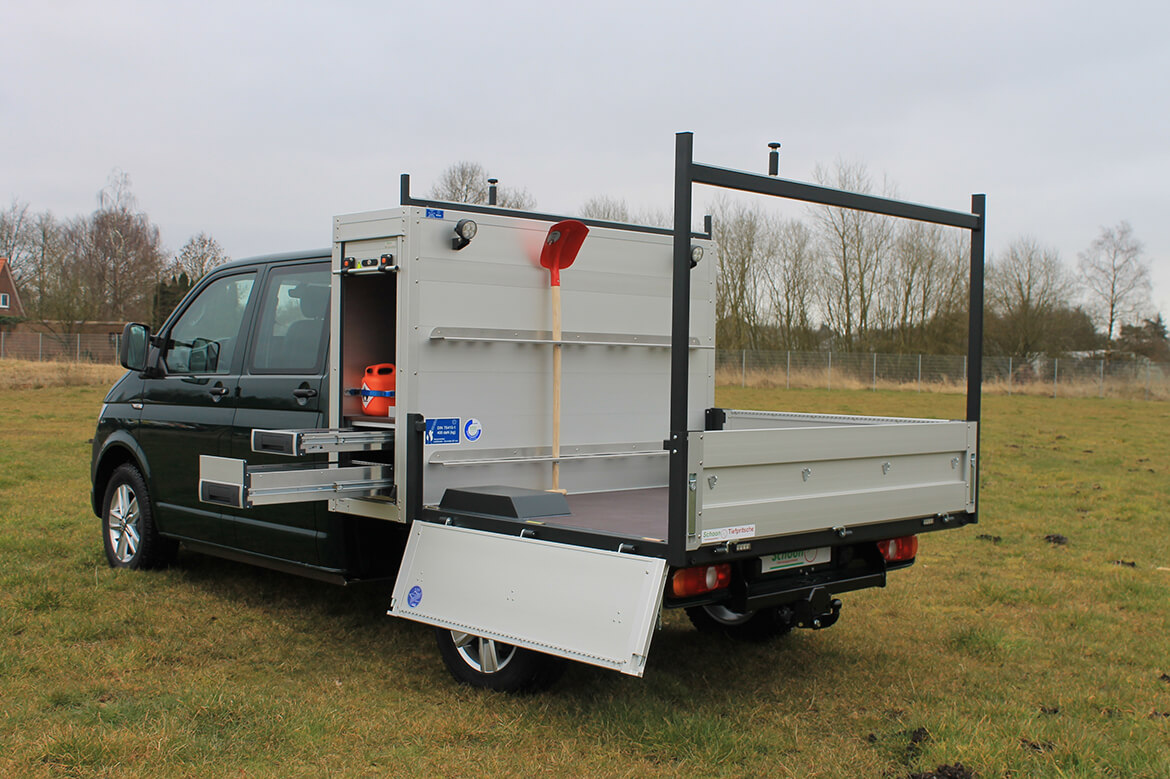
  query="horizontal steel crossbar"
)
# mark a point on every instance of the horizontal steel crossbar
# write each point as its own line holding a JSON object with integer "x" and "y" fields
{"x": 810, "y": 193}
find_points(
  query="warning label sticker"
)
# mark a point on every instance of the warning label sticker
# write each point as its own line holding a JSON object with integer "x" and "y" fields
{"x": 442, "y": 430}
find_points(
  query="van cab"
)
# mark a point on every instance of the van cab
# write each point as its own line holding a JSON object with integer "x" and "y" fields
{"x": 245, "y": 349}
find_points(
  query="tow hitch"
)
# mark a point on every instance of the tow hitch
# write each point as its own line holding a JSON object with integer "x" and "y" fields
{"x": 819, "y": 610}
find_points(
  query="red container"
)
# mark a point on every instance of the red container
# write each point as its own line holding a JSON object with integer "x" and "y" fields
{"x": 378, "y": 390}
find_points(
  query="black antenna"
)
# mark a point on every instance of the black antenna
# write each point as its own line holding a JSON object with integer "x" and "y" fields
{"x": 774, "y": 159}
{"x": 492, "y": 191}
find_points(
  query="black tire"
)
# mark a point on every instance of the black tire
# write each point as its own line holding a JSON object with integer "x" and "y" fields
{"x": 129, "y": 535}
{"x": 755, "y": 626}
{"x": 491, "y": 665}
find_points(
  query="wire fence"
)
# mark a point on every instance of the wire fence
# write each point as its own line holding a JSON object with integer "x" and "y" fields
{"x": 1054, "y": 376}
{"x": 60, "y": 347}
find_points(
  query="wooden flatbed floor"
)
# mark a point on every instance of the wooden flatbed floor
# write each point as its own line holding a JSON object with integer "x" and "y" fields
{"x": 633, "y": 513}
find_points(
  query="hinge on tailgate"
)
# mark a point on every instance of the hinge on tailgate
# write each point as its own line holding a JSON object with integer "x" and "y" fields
{"x": 971, "y": 482}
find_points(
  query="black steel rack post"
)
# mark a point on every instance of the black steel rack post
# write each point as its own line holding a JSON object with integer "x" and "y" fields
{"x": 687, "y": 173}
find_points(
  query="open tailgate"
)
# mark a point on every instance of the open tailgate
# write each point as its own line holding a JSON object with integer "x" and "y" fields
{"x": 591, "y": 605}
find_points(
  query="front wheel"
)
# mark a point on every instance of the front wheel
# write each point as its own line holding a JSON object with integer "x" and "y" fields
{"x": 129, "y": 535}
{"x": 484, "y": 662}
{"x": 761, "y": 625}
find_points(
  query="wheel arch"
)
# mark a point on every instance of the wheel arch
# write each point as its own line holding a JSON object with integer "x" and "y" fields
{"x": 118, "y": 450}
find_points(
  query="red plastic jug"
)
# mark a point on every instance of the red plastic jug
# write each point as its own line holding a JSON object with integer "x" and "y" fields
{"x": 378, "y": 390}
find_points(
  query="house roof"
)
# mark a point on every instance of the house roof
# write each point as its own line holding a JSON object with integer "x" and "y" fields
{"x": 5, "y": 270}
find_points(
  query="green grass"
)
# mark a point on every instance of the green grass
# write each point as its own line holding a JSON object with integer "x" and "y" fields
{"x": 1018, "y": 657}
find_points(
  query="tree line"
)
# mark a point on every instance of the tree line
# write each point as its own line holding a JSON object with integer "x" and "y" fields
{"x": 833, "y": 279}
{"x": 106, "y": 266}
{"x": 851, "y": 281}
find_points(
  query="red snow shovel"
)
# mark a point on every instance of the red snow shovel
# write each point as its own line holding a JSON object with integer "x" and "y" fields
{"x": 560, "y": 249}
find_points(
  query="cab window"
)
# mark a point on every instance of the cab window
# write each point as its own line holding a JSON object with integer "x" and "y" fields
{"x": 292, "y": 331}
{"x": 205, "y": 337}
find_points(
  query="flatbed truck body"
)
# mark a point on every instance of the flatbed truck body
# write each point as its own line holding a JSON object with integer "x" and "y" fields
{"x": 754, "y": 521}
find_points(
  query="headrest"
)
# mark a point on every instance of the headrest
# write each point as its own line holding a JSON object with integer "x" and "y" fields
{"x": 314, "y": 300}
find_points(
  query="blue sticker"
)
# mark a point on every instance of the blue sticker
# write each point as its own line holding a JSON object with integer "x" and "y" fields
{"x": 442, "y": 430}
{"x": 472, "y": 430}
{"x": 414, "y": 597}
{"x": 434, "y": 213}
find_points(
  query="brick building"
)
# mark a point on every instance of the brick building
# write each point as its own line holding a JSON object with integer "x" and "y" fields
{"x": 10, "y": 304}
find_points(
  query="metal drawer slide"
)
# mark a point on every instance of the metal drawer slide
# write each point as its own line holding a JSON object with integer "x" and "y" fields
{"x": 298, "y": 443}
{"x": 227, "y": 481}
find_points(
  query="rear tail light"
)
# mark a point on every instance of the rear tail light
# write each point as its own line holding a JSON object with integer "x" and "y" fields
{"x": 897, "y": 550}
{"x": 700, "y": 579}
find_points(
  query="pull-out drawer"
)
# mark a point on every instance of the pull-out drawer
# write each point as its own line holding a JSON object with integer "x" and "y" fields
{"x": 227, "y": 481}
{"x": 298, "y": 443}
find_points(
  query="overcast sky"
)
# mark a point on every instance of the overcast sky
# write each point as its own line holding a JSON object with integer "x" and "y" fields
{"x": 257, "y": 122}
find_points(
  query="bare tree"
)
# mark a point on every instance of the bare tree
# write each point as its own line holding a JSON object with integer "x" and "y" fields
{"x": 47, "y": 263}
{"x": 923, "y": 282}
{"x": 614, "y": 210}
{"x": 746, "y": 242}
{"x": 791, "y": 275}
{"x": 199, "y": 255}
{"x": 606, "y": 208}
{"x": 1026, "y": 286}
{"x": 1116, "y": 278}
{"x": 18, "y": 240}
{"x": 110, "y": 262}
{"x": 467, "y": 182}
{"x": 854, "y": 244}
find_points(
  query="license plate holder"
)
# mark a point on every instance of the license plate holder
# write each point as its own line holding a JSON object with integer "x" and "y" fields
{"x": 801, "y": 558}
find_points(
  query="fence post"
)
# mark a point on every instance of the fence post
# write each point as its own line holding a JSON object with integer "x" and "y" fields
{"x": 743, "y": 367}
{"x": 830, "y": 371}
{"x": 1010, "y": 371}
{"x": 788, "y": 369}
{"x": 1055, "y": 374}
{"x": 1101, "y": 379}
{"x": 920, "y": 373}
{"x": 40, "y": 346}
{"x": 875, "y": 371}
{"x": 964, "y": 369}
{"x": 79, "y": 347}
{"x": 1, "y": 344}
{"x": 1147, "y": 378}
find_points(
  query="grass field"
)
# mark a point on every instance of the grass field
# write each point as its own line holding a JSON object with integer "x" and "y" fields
{"x": 1000, "y": 650}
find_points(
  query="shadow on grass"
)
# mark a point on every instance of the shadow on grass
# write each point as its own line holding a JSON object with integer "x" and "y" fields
{"x": 685, "y": 665}
{"x": 699, "y": 703}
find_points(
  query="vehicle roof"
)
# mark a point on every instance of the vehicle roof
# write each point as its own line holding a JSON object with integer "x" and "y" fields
{"x": 314, "y": 254}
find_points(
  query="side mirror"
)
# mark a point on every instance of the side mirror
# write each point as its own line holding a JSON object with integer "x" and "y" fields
{"x": 204, "y": 356}
{"x": 132, "y": 354}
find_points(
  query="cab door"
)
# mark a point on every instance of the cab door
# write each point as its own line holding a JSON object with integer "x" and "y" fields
{"x": 281, "y": 388}
{"x": 188, "y": 410}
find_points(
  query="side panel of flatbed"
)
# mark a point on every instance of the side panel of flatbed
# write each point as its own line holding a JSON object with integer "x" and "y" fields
{"x": 761, "y": 483}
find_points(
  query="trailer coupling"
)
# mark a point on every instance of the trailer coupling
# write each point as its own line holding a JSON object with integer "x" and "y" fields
{"x": 819, "y": 609}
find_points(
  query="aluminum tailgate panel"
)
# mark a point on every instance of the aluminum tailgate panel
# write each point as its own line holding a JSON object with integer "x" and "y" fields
{"x": 590, "y": 605}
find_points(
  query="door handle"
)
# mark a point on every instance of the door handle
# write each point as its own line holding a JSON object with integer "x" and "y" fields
{"x": 304, "y": 393}
{"x": 218, "y": 391}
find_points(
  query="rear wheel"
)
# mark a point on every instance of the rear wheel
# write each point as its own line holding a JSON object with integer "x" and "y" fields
{"x": 129, "y": 535}
{"x": 761, "y": 625}
{"x": 493, "y": 665}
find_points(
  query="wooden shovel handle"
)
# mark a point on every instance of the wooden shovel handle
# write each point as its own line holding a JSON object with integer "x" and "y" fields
{"x": 556, "y": 437}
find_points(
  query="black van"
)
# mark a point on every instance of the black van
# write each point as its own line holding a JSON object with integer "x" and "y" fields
{"x": 246, "y": 348}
